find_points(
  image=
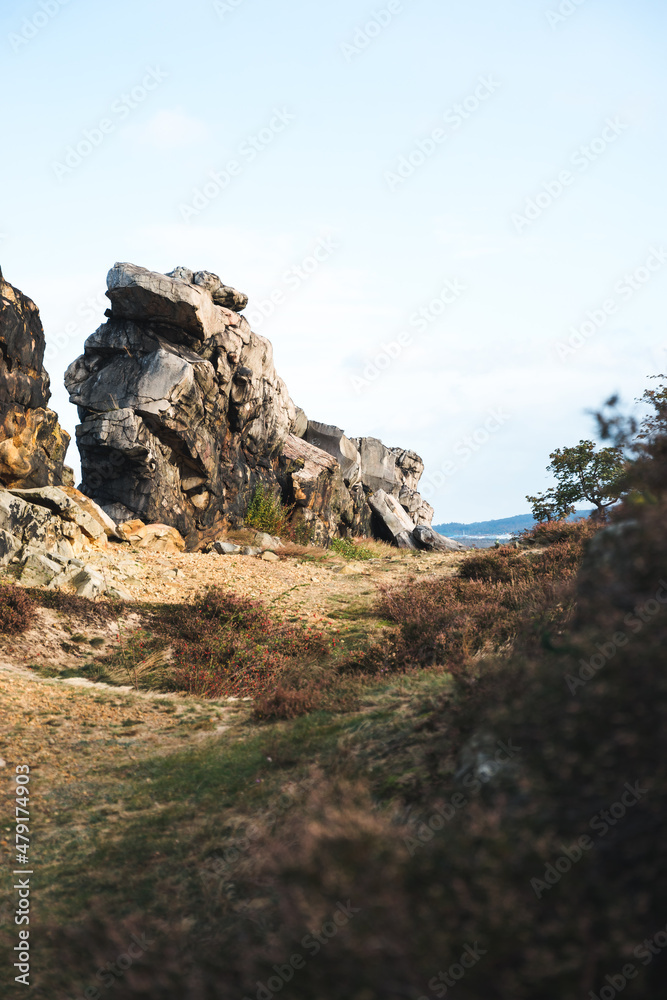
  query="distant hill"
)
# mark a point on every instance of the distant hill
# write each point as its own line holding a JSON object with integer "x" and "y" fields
{"x": 503, "y": 526}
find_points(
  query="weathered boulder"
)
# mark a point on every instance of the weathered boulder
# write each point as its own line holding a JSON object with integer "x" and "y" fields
{"x": 157, "y": 537}
{"x": 71, "y": 506}
{"x": 314, "y": 486}
{"x": 182, "y": 412}
{"x": 32, "y": 443}
{"x": 9, "y": 546}
{"x": 392, "y": 522}
{"x": 226, "y": 548}
{"x": 300, "y": 423}
{"x": 430, "y": 540}
{"x": 62, "y": 533}
{"x": 332, "y": 440}
{"x": 409, "y": 468}
{"x": 36, "y": 569}
{"x": 266, "y": 541}
{"x": 42, "y": 531}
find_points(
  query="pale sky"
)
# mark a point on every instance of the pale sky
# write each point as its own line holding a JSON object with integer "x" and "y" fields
{"x": 435, "y": 194}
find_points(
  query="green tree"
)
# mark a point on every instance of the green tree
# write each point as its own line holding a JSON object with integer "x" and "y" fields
{"x": 582, "y": 474}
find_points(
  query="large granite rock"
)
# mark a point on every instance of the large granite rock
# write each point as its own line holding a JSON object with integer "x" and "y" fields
{"x": 183, "y": 415}
{"x": 182, "y": 412}
{"x": 32, "y": 443}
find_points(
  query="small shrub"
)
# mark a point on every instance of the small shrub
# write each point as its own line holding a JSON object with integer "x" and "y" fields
{"x": 228, "y": 645}
{"x": 17, "y": 610}
{"x": 286, "y": 703}
{"x": 267, "y": 512}
{"x": 500, "y": 598}
{"x": 300, "y": 533}
{"x": 349, "y": 549}
{"x": 551, "y": 532}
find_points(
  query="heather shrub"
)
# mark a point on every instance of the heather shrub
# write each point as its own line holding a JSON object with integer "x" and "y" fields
{"x": 549, "y": 532}
{"x": 17, "y": 610}
{"x": 229, "y": 645}
{"x": 499, "y": 599}
{"x": 285, "y": 702}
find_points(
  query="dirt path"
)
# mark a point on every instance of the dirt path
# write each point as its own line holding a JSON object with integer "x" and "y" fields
{"x": 69, "y": 729}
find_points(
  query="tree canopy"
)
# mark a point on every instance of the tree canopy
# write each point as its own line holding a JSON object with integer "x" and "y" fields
{"x": 582, "y": 474}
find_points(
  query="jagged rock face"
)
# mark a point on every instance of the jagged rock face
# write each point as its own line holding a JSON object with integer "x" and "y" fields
{"x": 182, "y": 415}
{"x": 181, "y": 409}
{"x": 368, "y": 466}
{"x": 314, "y": 485}
{"x": 32, "y": 443}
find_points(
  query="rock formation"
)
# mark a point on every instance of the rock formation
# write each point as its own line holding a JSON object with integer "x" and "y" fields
{"x": 181, "y": 407}
{"x": 183, "y": 415}
{"x": 32, "y": 443}
{"x": 48, "y": 534}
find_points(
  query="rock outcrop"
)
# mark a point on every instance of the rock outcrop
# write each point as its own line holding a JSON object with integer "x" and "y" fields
{"x": 47, "y": 536}
{"x": 32, "y": 443}
{"x": 182, "y": 410}
{"x": 183, "y": 415}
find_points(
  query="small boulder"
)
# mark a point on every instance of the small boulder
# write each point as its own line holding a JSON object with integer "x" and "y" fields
{"x": 270, "y": 557}
{"x": 394, "y": 523}
{"x": 431, "y": 541}
{"x": 265, "y": 541}
{"x": 37, "y": 570}
{"x": 88, "y": 583}
{"x": 156, "y": 537}
{"x": 118, "y": 593}
{"x": 226, "y": 548}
